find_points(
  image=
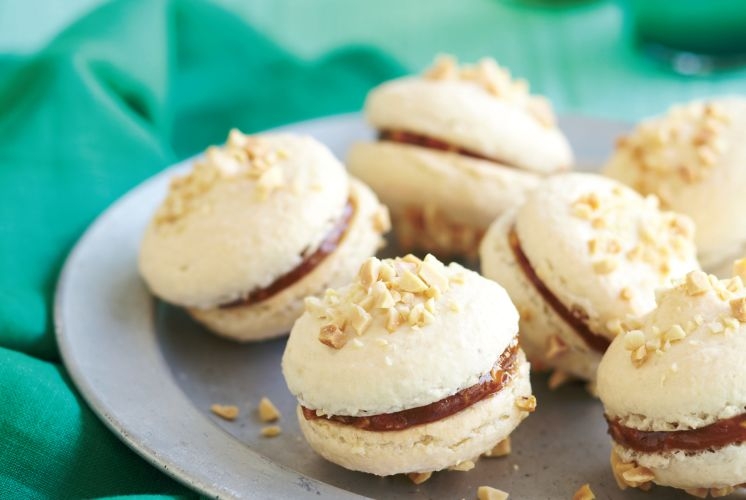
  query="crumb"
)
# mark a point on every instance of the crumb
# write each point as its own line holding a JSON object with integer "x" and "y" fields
{"x": 271, "y": 431}
{"x": 584, "y": 493}
{"x": 268, "y": 412}
{"x": 227, "y": 412}
{"x": 489, "y": 493}
{"x": 419, "y": 477}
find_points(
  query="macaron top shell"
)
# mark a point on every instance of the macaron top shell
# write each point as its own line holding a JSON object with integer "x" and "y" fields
{"x": 601, "y": 248}
{"x": 682, "y": 365}
{"x": 692, "y": 158}
{"x": 477, "y": 108}
{"x": 246, "y": 214}
{"x": 398, "y": 349}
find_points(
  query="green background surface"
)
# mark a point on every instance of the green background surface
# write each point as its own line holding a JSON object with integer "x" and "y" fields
{"x": 95, "y": 98}
{"x": 578, "y": 55}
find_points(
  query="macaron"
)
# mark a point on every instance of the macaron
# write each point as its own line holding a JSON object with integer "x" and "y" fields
{"x": 673, "y": 386}
{"x": 580, "y": 255}
{"x": 413, "y": 367}
{"x": 456, "y": 147}
{"x": 693, "y": 158}
{"x": 257, "y": 225}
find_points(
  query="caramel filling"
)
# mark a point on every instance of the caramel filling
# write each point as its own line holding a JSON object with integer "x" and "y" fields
{"x": 716, "y": 435}
{"x": 574, "y": 317}
{"x": 327, "y": 246}
{"x": 431, "y": 143}
{"x": 502, "y": 373}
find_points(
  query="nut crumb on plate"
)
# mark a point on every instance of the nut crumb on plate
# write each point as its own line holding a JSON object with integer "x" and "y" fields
{"x": 268, "y": 412}
{"x": 584, "y": 493}
{"x": 419, "y": 477}
{"x": 490, "y": 493}
{"x": 227, "y": 412}
{"x": 271, "y": 431}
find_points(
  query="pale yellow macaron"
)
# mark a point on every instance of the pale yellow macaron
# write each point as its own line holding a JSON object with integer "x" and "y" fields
{"x": 257, "y": 225}
{"x": 693, "y": 159}
{"x": 580, "y": 255}
{"x": 414, "y": 367}
{"x": 673, "y": 385}
{"x": 457, "y": 147}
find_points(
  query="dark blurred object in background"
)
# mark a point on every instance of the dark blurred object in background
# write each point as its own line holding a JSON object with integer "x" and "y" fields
{"x": 692, "y": 36}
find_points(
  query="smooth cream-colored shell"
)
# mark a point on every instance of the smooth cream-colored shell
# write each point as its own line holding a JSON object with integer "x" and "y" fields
{"x": 275, "y": 316}
{"x": 695, "y": 382}
{"x": 236, "y": 242}
{"x": 716, "y": 203}
{"x": 423, "y": 448}
{"x": 466, "y": 115}
{"x": 382, "y": 372}
{"x": 471, "y": 191}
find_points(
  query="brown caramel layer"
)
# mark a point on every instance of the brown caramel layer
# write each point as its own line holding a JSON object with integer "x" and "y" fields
{"x": 330, "y": 243}
{"x": 431, "y": 143}
{"x": 716, "y": 435}
{"x": 501, "y": 374}
{"x": 574, "y": 317}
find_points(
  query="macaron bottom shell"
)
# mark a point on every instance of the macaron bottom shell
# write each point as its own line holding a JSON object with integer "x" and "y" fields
{"x": 721, "y": 468}
{"x": 424, "y": 448}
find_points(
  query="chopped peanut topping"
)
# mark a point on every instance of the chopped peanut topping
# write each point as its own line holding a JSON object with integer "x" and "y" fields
{"x": 629, "y": 474}
{"x": 382, "y": 220}
{"x": 332, "y": 336}
{"x": 419, "y": 477}
{"x": 605, "y": 266}
{"x": 242, "y": 156}
{"x": 268, "y": 412}
{"x": 682, "y": 146}
{"x": 403, "y": 291}
{"x": 495, "y": 80}
{"x": 738, "y": 306}
{"x": 489, "y": 493}
{"x": 463, "y": 466}
{"x": 584, "y": 493}
{"x": 227, "y": 412}
{"x": 501, "y": 449}
{"x": 697, "y": 283}
{"x": 739, "y": 268}
{"x": 526, "y": 403}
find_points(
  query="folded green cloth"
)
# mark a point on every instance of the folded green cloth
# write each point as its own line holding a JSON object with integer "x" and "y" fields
{"x": 125, "y": 91}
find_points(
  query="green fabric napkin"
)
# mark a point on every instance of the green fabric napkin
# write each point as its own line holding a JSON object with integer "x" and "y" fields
{"x": 125, "y": 91}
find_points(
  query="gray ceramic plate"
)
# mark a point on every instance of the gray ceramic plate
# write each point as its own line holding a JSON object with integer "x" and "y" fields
{"x": 151, "y": 374}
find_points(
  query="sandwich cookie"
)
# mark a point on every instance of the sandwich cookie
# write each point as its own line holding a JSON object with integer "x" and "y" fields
{"x": 693, "y": 159}
{"x": 414, "y": 367}
{"x": 673, "y": 387}
{"x": 457, "y": 147}
{"x": 255, "y": 227}
{"x": 578, "y": 257}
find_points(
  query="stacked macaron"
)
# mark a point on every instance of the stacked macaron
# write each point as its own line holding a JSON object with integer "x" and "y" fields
{"x": 456, "y": 148}
{"x": 693, "y": 159}
{"x": 578, "y": 257}
{"x": 413, "y": 367}
{"x": 673, "y": 387}
{"x": 255, "y": 227}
